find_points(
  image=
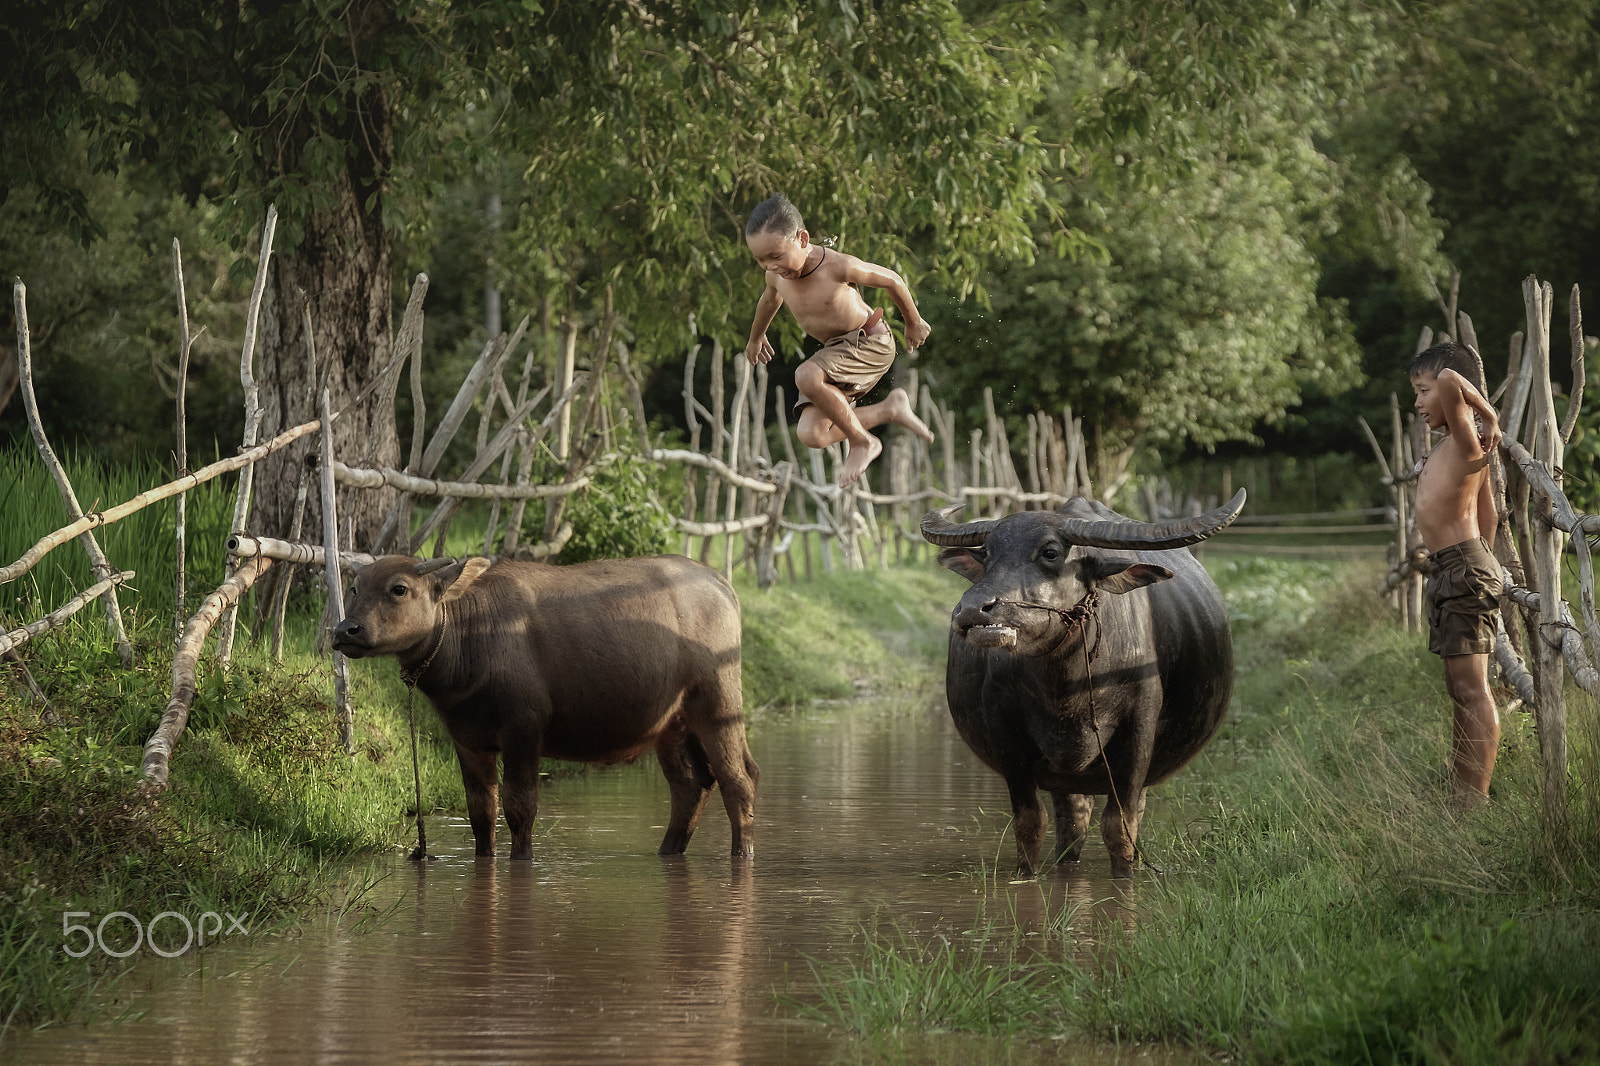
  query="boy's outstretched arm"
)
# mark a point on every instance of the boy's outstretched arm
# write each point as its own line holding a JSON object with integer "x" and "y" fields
{"x": 759, "y": 349}
{"x": 860, "y": 272}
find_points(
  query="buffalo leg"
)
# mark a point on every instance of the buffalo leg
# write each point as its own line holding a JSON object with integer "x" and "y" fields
{"x": 1120, "y": 828}
{"x": 520, "y": 794}
{"x": 1027, "y": 822}
{"x": 478, "y": 774}
{"x": 1072, "y": 824}
{"x": 683, "y": 764}
{"x": 713, "y": 713}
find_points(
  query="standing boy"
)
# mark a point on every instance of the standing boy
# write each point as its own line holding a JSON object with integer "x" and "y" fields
{"x": 818, "y": 284}
{"x": 1456, "y": 517}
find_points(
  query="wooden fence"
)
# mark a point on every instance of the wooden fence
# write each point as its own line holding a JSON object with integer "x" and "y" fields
{"x": 746, "y": 488}
{"x": 1536, "y": 528}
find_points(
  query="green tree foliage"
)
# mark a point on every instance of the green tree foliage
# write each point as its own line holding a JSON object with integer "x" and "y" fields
{"x": 897, "y": 127}
{"x": 1191, "y": 148}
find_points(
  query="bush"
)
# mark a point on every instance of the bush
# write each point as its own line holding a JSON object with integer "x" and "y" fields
{"x": 620, "y": 515}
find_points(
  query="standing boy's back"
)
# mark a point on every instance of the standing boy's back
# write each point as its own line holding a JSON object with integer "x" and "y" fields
{"x": 1456, "y": 517}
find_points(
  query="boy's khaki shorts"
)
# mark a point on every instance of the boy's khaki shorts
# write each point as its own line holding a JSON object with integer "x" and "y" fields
{"x": 854, "y": 362}
{"x": 1463, "y": 594}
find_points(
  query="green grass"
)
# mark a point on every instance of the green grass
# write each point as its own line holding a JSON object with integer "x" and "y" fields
{"x": 1325, "y": 904}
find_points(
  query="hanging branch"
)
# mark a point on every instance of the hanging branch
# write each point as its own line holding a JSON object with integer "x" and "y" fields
{"x": 101, "y": 567}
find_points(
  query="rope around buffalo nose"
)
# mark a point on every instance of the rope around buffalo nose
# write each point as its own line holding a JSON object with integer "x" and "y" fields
{"x": 411, "y": 679}
{"x": 1073, "y": 618}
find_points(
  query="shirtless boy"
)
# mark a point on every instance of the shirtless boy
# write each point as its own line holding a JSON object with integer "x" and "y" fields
{"x": 1456, "y": 517}
{"x": 818, "y": 284}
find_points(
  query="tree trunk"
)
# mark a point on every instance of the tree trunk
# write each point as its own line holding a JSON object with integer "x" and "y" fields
{"x": 341, "y": 266}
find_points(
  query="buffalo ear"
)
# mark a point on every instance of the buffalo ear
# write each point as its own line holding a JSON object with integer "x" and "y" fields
{"x": 461, "y": 578}
{"x": 964, "y": 561}
{"x": 1117, "y": 578}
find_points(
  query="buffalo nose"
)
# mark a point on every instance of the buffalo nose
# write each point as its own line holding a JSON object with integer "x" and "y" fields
{"x": 345, "y": 629}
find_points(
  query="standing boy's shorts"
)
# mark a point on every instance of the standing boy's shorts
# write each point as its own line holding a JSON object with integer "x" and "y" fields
{"x": 854, "y": 362}
{"x": 1463, "y": 595}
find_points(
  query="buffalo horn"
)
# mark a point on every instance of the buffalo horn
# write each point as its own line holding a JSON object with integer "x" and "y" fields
{"x": 428, "y": 566}
{"x": 1149, "y": 536}
{"x": 938, "y": 529}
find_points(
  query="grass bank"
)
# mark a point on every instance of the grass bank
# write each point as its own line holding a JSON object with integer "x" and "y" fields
{"x": 1327, "y": 906}
{"x": 266, "y": 816}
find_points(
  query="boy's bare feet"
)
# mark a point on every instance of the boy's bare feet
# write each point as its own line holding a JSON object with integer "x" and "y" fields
{"x": 860, "y": 457}
{"x": 901, "y": 412}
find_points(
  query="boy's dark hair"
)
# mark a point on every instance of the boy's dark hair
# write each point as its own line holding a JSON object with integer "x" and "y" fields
{"x": 1446, "y": 356}
{"x": 775, "y": 214}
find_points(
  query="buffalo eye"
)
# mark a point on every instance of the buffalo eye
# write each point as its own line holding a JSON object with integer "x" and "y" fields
{"x": 1050, "y": 553}
{"x": 399, "y": 590}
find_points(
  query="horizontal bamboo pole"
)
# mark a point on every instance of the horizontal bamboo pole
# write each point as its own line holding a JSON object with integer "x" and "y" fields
{"x": 713, "y": 529}
{"x": 1368, "y": 527}
{"x": 1570, "y": 641}
{"x": 1562, "y": 514}
{"x": 245, "y": 546}
{"x": 1512, "y": 667}
{"x": 22, "y": 634}
{"x": 185, "y": 660}
{"x": 1310, "y": 516}
{"x": 422, "y": 486}
{"x": 31, "y": 557}
{"x": 248, "y": 547}
{"x": 726, "y": 472}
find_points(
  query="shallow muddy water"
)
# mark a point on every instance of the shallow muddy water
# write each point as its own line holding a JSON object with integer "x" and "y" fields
{"x": 869, "y": 815}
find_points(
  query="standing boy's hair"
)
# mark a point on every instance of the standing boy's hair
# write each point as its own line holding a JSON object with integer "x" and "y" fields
{"x": 1446, "y": 356}
{"x": 775, "y": 214}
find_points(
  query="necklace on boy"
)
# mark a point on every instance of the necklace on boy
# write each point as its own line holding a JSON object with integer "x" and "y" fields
{"x": 808, "y": 273}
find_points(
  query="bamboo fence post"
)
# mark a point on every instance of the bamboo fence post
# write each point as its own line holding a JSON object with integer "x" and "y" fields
{"x": 279, "y": 607}
{"x": 1402, "y": 511}
{"x": 252, "y": 415}
{"x": 530, "y": 444}
{"x": 780, "y": 405}
{"x": 98, "y": 563}
{"x": 335, "y": 612}
{"x": 766, "y": 560}
{"x": 1546, "y": 447}
{"x": 180, "y": 505}
{"x": 185, "y": 661}
{"x": 565, "y": 368}
{"x": 713, "y": 500}
{"x": 734, "y": 459}
{"x": 693, "y": 422}
{"x": 510, "y": 453}
{"x": 1575, "y": 338}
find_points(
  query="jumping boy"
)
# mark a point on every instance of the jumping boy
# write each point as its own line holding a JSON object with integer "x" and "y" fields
{"x": 1456, "y": 517}
{"x": 818, "y": 284}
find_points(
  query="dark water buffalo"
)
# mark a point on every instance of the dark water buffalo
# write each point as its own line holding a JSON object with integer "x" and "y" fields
{"x": 1058, "y": 599}
{"x": 596, "y": 662}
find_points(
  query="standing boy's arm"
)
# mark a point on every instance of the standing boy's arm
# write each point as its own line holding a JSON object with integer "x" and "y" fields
{"x": 1489, "y": 438}
{"x": 859, "y": 272}
{"x": 759, "y": 349}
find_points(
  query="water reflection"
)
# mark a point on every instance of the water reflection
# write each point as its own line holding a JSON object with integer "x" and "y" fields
{"x": 599, "y": 951}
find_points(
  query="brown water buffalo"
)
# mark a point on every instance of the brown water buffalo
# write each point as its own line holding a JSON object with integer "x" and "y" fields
{"x": 1092, "y": 656}
{"x": 595, "y": 662}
